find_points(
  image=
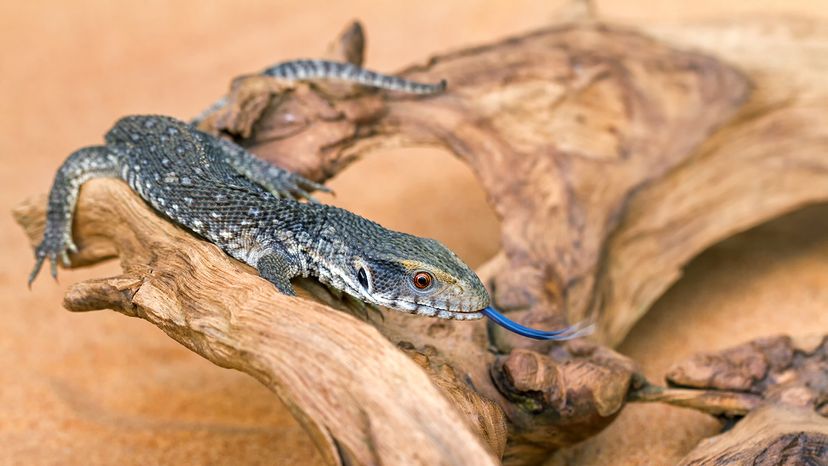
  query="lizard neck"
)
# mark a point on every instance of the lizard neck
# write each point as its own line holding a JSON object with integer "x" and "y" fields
{"x": 331, "y": 257}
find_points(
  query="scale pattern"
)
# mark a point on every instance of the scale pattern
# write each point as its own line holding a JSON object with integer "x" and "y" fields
{"x": 261, "y": 215}
{"x": 323, "y": 69}
{"x": 307, "y": 70}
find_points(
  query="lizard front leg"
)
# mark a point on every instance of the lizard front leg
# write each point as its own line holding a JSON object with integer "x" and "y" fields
{"x": 81, "y": 166}
{"x": 279, "y": 182}
{"x": 278, "y": 269}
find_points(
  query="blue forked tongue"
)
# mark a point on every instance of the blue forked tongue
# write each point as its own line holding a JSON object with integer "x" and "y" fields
{"x": 568, "y": 333}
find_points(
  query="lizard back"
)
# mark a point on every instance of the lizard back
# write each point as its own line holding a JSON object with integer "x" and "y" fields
{"x": 183, "y": 173}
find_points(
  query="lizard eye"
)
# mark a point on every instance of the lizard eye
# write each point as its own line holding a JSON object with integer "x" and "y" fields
{"x": 422, "y": 280}
{"x": 363, "y": 278}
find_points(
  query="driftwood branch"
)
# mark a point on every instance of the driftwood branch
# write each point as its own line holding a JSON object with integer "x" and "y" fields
{"x": 770, "y": 435}
{"x": 358, "y": 396}
{"x": 611, "y": 158}
{"x": 779, "y": 385}
{"x": 733, "y": 381}
{"x": 580, "y": 117}
{"x": 619, "y": 150}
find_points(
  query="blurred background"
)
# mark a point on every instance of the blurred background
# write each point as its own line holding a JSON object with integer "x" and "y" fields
{"x": 103, "y": 389}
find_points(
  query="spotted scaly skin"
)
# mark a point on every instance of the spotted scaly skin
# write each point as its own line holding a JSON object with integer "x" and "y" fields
{"x": 254, "y": 211}
{"x": 325, "y": 69}
{"x": 315, "y": 70}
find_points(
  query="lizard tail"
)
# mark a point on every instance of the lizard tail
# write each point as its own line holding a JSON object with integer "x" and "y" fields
{"x": 568, "y": 333}
{"x": 296, "y": 70}
{"x": 299, "y": 70}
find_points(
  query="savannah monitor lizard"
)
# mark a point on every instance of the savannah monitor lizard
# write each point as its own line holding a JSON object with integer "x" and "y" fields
{"x": 265, "y": 217}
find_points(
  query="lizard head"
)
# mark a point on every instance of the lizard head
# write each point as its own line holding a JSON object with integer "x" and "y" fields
{"x": 416, "y": 275}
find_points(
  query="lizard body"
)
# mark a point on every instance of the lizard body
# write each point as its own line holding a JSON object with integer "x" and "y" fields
{"x": 249, "y": 208}
{"x": 254, "y": 212}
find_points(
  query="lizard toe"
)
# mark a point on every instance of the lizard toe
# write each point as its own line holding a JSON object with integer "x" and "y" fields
{"x": 53, "y": 264}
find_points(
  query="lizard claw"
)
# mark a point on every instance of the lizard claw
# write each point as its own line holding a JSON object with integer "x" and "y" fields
{"x": 313, "y": 185}
{"x": 39, "y": 258}
{"x": 70, "y": 245}
{"x": 53, "y": 264}
{"x": 293, "y": 186}
{"x": 64, "y": 258}
{"x": 53, "y": 247}
{"x": 302, "y": 187}
{"x": 299, "y": 193}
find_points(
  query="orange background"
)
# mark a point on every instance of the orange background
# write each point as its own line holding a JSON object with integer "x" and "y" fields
{"x": 103, "y": 389}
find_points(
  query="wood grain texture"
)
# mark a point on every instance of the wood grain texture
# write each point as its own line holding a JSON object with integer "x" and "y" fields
{"x": 778, "y": 369}
{"x": 767, "y": 161}
{"x": 770, "y": 435}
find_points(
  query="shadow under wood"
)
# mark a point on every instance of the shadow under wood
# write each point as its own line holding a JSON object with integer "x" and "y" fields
{"x": 764, "y": 281}
{"x": 768, "y": 280}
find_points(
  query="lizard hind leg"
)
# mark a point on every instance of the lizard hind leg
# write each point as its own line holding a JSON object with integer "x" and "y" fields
{"x": 81, "y": 166}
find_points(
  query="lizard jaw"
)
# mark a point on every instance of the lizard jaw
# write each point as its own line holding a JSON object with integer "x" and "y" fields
{"x": 448, "y": 315}
{"x": 427, "y": 311}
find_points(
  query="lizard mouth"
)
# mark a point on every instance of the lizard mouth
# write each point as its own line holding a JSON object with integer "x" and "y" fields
{"x": 427, "y": 310}
{"x": 444, "y": 314}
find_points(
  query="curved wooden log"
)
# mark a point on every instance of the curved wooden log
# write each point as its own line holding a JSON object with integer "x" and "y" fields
{"x": 767, "y": 161}
{"x": 561, "y": 126}
{"x": 580, "y": 117}
{"x": 625, "y": 157}
{"x": 361, "y": 399}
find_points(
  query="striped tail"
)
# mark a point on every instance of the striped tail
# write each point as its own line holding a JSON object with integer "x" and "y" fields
{"x": 303, "y": 70}
{"x": 297, "y": 70}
